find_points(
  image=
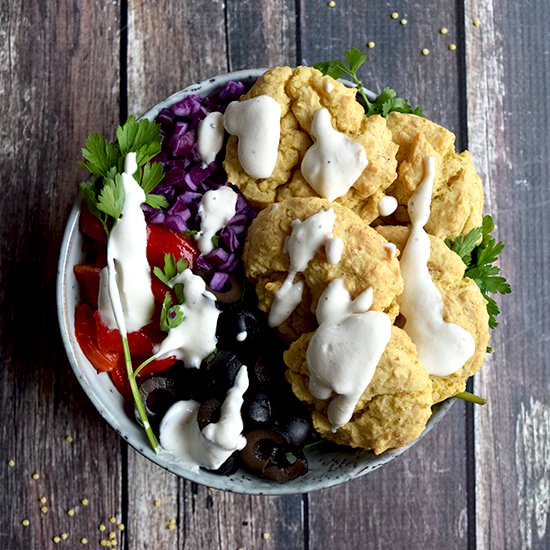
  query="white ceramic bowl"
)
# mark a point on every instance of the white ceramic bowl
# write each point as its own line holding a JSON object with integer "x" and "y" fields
{"x": 326, "y": 467}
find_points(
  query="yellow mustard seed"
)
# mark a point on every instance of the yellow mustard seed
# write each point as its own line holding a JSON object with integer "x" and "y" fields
{"x": 476, "y": 22}
{"x": 394, "y": 15}
{"x": 265, "y": 536}
{"x": 83, "y": 540}
{"x": 11, "y": 463}
{"x": 112, "y": 535}
{"x": 69, "y": 438}
{"x": 64, "y": 536}
{"x": 56, "y": 539}
{"x": 25, "y": 522}
{"x": 443, "y": 30}
{"x": 331, "y": 4}
{"x": 371, "y": 44}
{"x": 44, "y": 509}
{"x": 70, "y": 512}
{"x": 404, "y": 21}
{"x": 112, "y": 519}
{"x": 156, "y": 502}
{"x": 425, "y": 51}
{"x": 43, "y": 500}
{"x": 35, "y": 476}
{"x": 121, "y": 527}
{"x": 101, "y": 527}
{"x": 84, "y": 501}
{"x": 452, "y": 47}
{"x": 105, "y": 542}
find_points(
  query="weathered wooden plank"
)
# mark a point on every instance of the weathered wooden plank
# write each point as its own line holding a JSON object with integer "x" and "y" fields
{"x": 510, "y": 143}
{"x": 58, "y": 81}
{"x": 420, "y": 499}
{"x": 261, "y": 33}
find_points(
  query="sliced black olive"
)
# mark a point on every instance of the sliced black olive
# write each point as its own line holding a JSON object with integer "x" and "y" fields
{"x": 231, "y": 292}
{"x": 190, "y": 383}
{"x": 221, "y": 372}
{"x": 267, "y": 454}
{"x": 241, "y": 331}
{"x": 158, "y": 394}
{"x": 296, "y": 429}
{"x": 230, "y": 466}
{"x": 257, "y": 410}
{"x": 209, "y": 412}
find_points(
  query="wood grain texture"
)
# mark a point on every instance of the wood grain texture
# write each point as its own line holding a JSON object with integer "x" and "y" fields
{"x": 509, "y": 140}
{"x": 428, "y": 486}
{"x": 57, "y": 82}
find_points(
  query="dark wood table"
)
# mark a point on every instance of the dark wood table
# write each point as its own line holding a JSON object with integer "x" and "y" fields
{"x": 481, "y": 479}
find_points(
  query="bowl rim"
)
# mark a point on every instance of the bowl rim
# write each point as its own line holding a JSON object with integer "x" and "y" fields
{"x": 84, "y": 371}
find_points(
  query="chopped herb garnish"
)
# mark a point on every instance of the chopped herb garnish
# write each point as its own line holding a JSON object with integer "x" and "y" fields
{"x": 104, "y": 194}
{"x": 385, "y": 103}
{"x": 471, "y": 398}
{"x": 170, "y": 316}
{"x": 171, "y": 268}
{"x": 479, "y": 250}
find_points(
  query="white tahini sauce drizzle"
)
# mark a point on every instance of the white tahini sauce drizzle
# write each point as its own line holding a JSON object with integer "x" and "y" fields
{"x": 210, "y": 137}
{"x": 391, "y": 249}
{"x": 344, "y": 351}
{"x": 334, "y": 248}
{"x": 195, "y": 338}
{"x": 211, "y": 447}
{"x": 257, "y": 124}
{"x": 217, "y": 207}
{"x": 334, "y": 162}
{"x": 125, "y": 298}
{"x": 443, "y": 347}
{"x": 387, "y": 205}
{"x": 301, "y": 246}
{"x": 328, "y": 86}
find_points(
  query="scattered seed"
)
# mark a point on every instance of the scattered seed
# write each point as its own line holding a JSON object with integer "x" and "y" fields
{"x": 64, "y": 536}
{"x": 101, "y": 527}
{"x": 25, "y": 522}
{"x": 83, "y": 540}
{"x": 69, "y": 438}
{"x": 112, "y": 535}
{"x": 476, "y": 22}
{"x": 443, "y": 30}
{"x": 44, "y": 509}
{"x": 112, "y": 519}
{"x": 404, "y": 21}
{"x": 331, "y": 4}
{"x": 56, "y": 539}
{"x": 105, "y": 542}
{"x": 156, "y": 502}
{"x": 70, "y": 512}
{"x": 452, "y": 47}
{"x": 35, "y": 476}
{"x": 11, "y": 463}
{"x": 84, "y": 501}
{"x": 121, "y": 527}
{"x": 425, "y": 51}
{"x": 371, "y": 44}
{"x": 265, "y": 536}
{"x": 394, "y": 15}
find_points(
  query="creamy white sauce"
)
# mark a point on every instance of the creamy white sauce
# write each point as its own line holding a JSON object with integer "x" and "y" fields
{"x": 344, "y": 351}
{"x": 328, "y": 86}
{"x": 125, "y": 298}
{"x": 257, "y": 124}
{"x": 211, "y": 447}
{"x": 302, "y": 244}
{"x": 334, "y": 162}
{"x": 442, "y": 347}
{"x": 210, "y": 137}
{"x": 391, "y": 249}
{"x": 334, "y": 248}
{"x": 195, "y": 338}
{"x": 217, "y": 207}
{"x": 387, "y": 205}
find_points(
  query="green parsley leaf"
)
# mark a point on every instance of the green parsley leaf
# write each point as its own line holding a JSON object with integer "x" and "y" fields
{"x": 385, "y": 103}
{"x": 479, "y": 250}
{"x": 190, "y": 232}
{"x": 156, "y": 201}
{"x": 141, "y": 137}
{"x": 170, "y": 316}
{"x": 111, "y": 197}
{"x": 99, "y": 155}
{"x": 171, "y": 269}
{"x": 151, "y": 176}
{"x": 215, "y": 241}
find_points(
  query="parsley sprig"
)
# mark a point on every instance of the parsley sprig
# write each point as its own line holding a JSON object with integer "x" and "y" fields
{"x": 479, "y": 250}
{"x": 104, "y": 192}
{"x": 385, "y": 103}
{"x": 171, "y": 315}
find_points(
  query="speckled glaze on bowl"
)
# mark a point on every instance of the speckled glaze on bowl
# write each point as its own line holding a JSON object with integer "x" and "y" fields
{"x": 327, "y": 467}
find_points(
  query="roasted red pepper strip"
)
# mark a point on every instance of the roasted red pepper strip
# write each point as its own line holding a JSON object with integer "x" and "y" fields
{"x": 90, "y": 226}
{"x": 162, "y": 241}
{"x": 88, "y": 281}
{"x": 86, "y": 336}
{"x": 158, "y": 365}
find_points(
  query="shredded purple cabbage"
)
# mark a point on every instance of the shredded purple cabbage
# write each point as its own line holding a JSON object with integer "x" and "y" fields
{"x": 186, "y": 181}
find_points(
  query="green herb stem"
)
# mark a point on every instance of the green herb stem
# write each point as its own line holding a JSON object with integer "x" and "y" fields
{"x": 471, "y": 398}
{"x": 143, "y": 365}
{"x": 137, "y": 397}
